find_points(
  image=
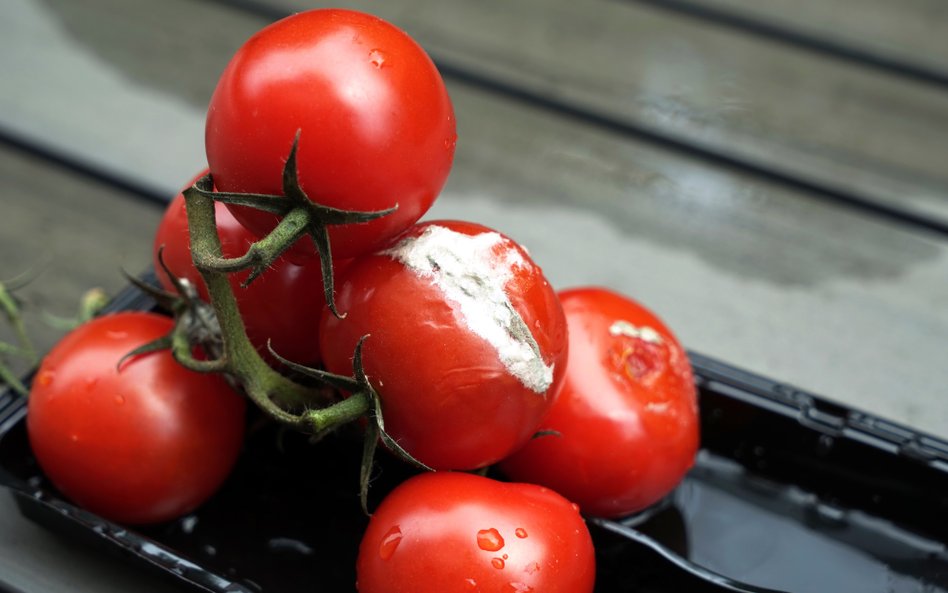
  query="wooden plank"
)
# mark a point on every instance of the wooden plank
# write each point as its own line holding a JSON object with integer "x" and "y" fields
{"x": 791, "y": 112}
{"x": 74, "y": 234}
{"x": 755, "y": 273}
{"x": 855, "y": 131}
{"x": 60, "y": 94}
{"x": 911, "y": 32}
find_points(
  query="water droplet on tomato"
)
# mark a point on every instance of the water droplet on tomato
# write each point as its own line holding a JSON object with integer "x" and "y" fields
{"x": 377, "y": 58}
{"x": 521, "y": 532}
{"x": 119, "y": 400}
{"x": 390, "y": 542}
{"x": 45, "y": 378}
{"x": 575, "y": 506}
{"x": 497, "y": 563}
{"x": 74, "y": 437}
{"x": 470, "y": 584}
{"x": 532, "y": 568}
{"x": 116, "y": 335}
{"x": 489, "y": 540}
{"x": 505, "y": 556}
{"x": 520, "y": 587}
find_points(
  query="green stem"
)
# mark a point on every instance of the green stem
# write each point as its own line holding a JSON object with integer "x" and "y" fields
{"x": 347, "y": 410}
{"x": 264, "y": 252}
{"x": 270, "y": 390}
{"x": 12, "y": 311}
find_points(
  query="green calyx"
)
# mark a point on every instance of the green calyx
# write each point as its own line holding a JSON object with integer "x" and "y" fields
{"x": 299, "y": 216}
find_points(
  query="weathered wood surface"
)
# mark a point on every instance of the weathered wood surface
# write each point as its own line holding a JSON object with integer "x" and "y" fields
{"x": 910, "y": 32}
{"x": 768, "y": 276}
{"x": 849, "y": 129}
{"x": 857, "y": 131}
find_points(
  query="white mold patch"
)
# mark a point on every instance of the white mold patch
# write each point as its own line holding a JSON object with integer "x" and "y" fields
{"x": 646, "y": 333}
{"x": 470, "y": 273}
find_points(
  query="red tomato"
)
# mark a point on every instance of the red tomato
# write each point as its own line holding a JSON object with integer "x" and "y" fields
{"x": 142, "y": 444}
{"x": 377, "y": 125}
{"x": 458, "y": 533}
{"x": 627, "y": 416}
{"x": 468, "y": 341}
{"x": 283, "y": 304}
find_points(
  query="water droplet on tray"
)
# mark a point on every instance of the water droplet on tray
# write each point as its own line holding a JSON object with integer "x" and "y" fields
{"x": 45, "y": 378}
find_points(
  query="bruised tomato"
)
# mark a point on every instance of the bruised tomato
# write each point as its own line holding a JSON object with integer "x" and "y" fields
{"x": 626, "y": 421}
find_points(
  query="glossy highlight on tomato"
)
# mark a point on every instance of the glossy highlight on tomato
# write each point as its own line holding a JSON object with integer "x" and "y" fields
{"x": 282, "y": 306}
{"x": 451, "y": 532}
{"x": 627, "y": 417}
{"x": 142, "y": 443}
{"x": 467, "y": 341}
{"x": 376, "y": 124}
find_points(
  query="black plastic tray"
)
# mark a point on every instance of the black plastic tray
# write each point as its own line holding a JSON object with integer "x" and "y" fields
{"x": 790, "y": 493}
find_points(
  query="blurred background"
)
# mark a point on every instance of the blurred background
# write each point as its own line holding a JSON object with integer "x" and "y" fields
{"x": 770, "y": 178}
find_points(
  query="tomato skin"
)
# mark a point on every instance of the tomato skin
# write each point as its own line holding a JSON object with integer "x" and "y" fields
{"x": 144, "y": 444}
{"x": 447, "y": 396}
{"x": 627, "y": 416}
{"x": 282, "y": 305}
{"x": 377, "y": 125}
{"x": 457, "y": 533}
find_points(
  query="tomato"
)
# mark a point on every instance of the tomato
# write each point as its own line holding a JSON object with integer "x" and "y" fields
{"x": 627, "y": 416}
{"x": 143, "y": 443}
{"x": 467, "y": 344}
{"x": 377, "y": 125}
{"x": 283, "y": 304}
{"x": 450, "y": 532}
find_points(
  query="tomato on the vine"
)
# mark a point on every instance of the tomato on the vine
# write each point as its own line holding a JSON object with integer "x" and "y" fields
{"x": 451, "y": 532}
{"x": 143, "y": 442}
{"x": 467, "y": 341}
{"x": 283, "y": 305}
{"x": 627, "y": 416}
{"x": 376, "y": 124}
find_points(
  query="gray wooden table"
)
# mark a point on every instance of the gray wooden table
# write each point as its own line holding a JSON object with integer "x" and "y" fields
{"x": 771, "y": 178}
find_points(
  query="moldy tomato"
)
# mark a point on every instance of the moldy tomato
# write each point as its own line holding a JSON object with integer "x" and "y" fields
{"x": 467, "y": 344}
{"x": 627, "y": 416}
{"x": 377, "y": 125}
{"x": 143, "y": 443}
{"x": 456, "y": 533}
